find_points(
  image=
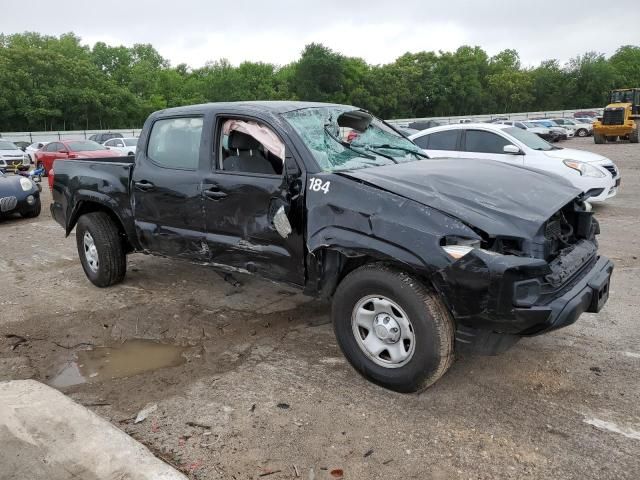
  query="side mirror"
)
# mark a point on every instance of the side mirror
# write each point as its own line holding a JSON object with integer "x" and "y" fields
{"x": 292, "y": 174}
{"x": 511, "y": 150}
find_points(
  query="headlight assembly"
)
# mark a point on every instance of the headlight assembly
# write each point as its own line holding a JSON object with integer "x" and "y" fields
{"x": 26, "y": 184}
{"x": 584, "y": 169}
{"x": 458, "y": 247}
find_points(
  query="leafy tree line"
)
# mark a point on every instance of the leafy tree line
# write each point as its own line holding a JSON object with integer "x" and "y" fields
{"x": 57, "y": 83}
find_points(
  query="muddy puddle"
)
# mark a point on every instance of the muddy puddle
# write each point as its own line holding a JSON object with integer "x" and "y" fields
{"x": 123, "y": 360}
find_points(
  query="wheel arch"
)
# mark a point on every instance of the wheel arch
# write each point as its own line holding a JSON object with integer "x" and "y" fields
{"x": 83, "y": 206}
{"x": 328, "y": 264}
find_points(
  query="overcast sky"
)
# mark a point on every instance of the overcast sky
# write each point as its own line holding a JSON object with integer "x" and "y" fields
{"x": 196, "y": 31}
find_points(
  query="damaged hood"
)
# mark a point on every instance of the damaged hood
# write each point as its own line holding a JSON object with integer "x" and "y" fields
{"x": 499, "y": 199}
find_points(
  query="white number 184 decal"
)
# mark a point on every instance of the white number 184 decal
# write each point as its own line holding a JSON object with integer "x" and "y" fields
{"x": 316, "y": 185}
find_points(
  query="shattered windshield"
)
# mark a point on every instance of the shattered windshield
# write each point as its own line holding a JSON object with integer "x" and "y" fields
{"x": 366, "y": 142}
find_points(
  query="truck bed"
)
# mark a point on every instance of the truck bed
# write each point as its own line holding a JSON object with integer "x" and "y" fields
{"x": 105, "y": 180}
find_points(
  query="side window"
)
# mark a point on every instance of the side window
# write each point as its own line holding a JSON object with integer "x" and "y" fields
{"x": 109, "y": 143}
{"x": 118, "y": 143}
{"x": 446, "y": 140}
{"x": 422, "y": 141}
{"x": 520, "y": 125}
{"x": 247, "y": 146}
{"x": 54, "y": 147}
{"x": 479, "y": 141}
{"x": 175, "y": 142}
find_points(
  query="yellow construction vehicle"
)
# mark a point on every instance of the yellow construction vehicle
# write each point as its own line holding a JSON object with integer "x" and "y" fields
{"x": 621, "y": 118}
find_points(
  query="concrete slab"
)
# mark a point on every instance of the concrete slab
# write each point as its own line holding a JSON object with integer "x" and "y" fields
{"x": 46, "y": 435}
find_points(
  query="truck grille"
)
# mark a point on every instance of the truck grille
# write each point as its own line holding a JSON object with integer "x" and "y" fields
{"x": 612, "y": 170}
{"x": 8, "y": 203}
{"x": 613, "y": 116}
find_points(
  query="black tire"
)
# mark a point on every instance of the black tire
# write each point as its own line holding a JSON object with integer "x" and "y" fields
{"x": 432, "y": 326}
{"x": 112, "y": 260}
{"x": 582, "y": 132}
{"x": 598, "y": 138}
{"x": 35, "y": 211}
{"x": 634, "y": 136}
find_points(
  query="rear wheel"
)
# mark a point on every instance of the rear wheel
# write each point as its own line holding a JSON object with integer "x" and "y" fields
{"x": 599, "y": 138}
{"x": 634, "y": 136}
{"x": 582, "y": 132}
{"x": 101, "y": 249}
{"x": 392, "y": 329}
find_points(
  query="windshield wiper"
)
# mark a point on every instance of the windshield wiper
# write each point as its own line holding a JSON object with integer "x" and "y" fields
{"x": 347, "y": 144}
{"x": 391, "y": 147}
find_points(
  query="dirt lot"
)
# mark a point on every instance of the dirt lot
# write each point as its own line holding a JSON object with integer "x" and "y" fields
{"x": 261, "y": 385}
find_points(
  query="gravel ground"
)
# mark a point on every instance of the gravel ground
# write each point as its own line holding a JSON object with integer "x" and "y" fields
{"x": 263, "y": 391}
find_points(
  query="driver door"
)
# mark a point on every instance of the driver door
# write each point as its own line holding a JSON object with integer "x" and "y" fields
{"x": 242, "y": 200}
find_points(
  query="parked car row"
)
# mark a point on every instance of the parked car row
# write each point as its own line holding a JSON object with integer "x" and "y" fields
{"x": 597, "y": 176}
{"x": 20, "y": 156}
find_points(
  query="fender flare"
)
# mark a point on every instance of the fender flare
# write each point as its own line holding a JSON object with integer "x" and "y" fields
{"x": 84, "y": 197}
{"x": 326, "y": 271}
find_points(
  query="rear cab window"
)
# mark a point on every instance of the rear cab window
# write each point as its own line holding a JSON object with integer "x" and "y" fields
{"x": 175, "y": 142}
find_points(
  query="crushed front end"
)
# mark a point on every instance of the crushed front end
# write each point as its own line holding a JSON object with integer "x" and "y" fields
{"x": 513, "y": 287}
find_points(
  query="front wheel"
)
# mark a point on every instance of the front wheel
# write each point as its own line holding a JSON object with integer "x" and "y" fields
{"x": 35, "y": 210}
{"x": 392, "y": 329}
{"x": 101, "y": 249}
{"x": 598, "y": 138}
{"x": 582, "y": 132}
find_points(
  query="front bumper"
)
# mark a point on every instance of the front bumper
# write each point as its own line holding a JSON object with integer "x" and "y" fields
{"x": 605, "y": 194}
{"x": 13, "y": 165}
{"x": 483, "y": 292}
{"x": 589, "y": 294}
{"x": 12, "y": 204}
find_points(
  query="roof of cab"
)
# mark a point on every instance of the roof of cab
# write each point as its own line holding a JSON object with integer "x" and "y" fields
{"x": 275, "y": 106}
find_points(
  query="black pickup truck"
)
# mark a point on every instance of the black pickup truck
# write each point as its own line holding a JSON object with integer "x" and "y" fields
{"x": 415, "y": 253}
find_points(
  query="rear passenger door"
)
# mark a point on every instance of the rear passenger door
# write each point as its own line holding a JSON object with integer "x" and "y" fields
{"x": 487, "y": 145}
{"x": 442, "y": 144}
{"x": 166, "y": 189}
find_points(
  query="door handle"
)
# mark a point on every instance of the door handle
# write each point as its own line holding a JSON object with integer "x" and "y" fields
{"x": 144, "y": 185}
{"x": 214, "y": 194}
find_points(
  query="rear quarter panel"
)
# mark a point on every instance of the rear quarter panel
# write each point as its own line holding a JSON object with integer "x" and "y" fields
{"x": 105, "y": 182}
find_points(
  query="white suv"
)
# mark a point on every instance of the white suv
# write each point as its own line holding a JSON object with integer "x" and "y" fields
{"x": 593, "y": 174}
